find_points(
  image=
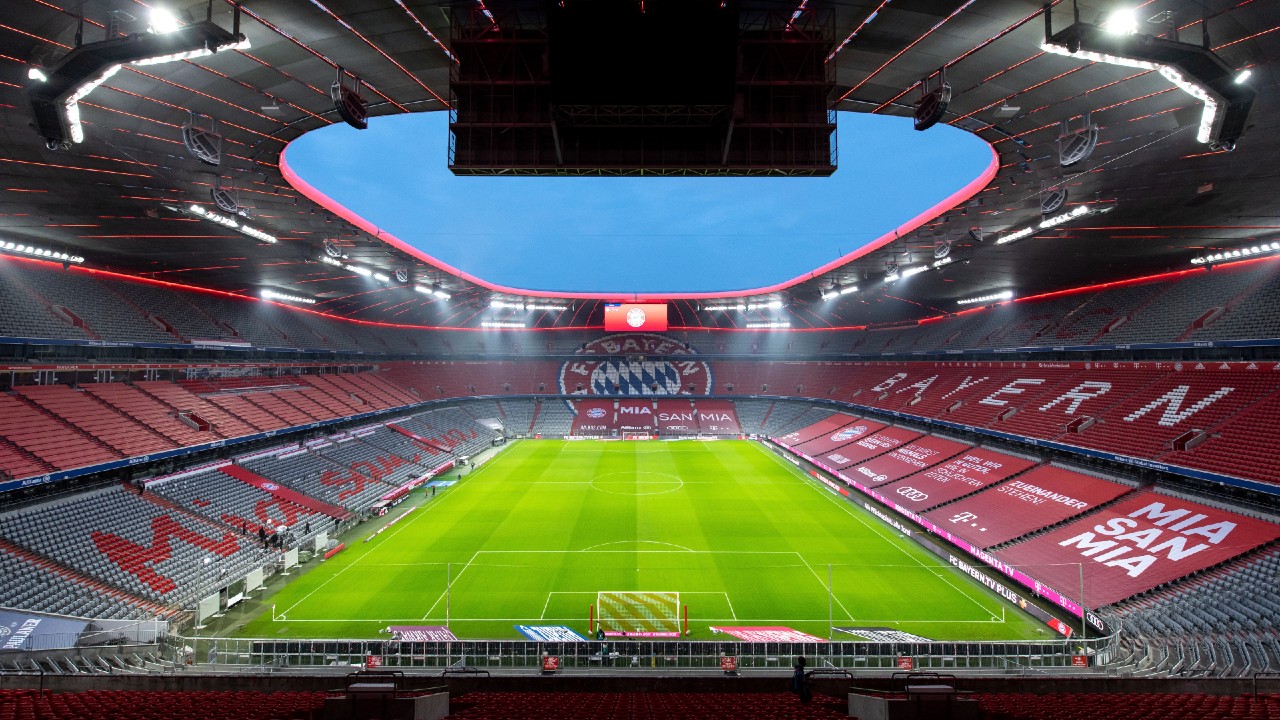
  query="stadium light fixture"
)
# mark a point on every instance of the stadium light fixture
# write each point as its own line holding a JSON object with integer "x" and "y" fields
{"x": 36, "y": 74}
{"x": 502, "y": 324}
{"x": 525, "y": 305}
{"x": 1241, "y": 77}
{"x": 983, "y": 299}
{"x": 163, "y": 21}
{"x": 361, "y": 271}
{"x": 905, "y": 273}
{"x": 942, "y": 262}
{"x": 273, "y": 295}
{"x": 435, "y": 290}
{"x": 55, "y": 98}
{"x": 1122, "y": 21}
{"x": 1237, "y": 254}
{"x": 226, "y": 221}
{"x": 1195, "y": 69}
{"x": 773, "y": 325}
{"x": 837, "y": 290}
{"x": 13, "y": 248}
{"x": 1072, "y": 214}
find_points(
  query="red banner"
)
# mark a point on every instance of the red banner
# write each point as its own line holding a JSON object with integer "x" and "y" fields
{"x": 963, "y": 474}
{"x": 855, "y": 430}
{"x": 1137, "y": 544}
{"x": 907, "y": 459}
{"x": 1045, "y": 496}
{"x": 822, "y": 427}
{"x": 284, "y": 493}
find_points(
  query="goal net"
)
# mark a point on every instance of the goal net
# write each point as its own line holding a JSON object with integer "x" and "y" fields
{"x": 640, "y": 614}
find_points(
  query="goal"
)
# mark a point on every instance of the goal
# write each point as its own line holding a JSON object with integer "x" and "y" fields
{"x": 639, "y": 614}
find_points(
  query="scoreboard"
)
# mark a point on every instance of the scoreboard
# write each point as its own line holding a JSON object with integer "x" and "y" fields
{"x": 635, "y": 317}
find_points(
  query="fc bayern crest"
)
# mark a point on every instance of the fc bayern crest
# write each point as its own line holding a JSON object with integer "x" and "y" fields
{"x": 635, "y": 317}
{"x": 667, "y": 368}
{"x": 849, "y": 433}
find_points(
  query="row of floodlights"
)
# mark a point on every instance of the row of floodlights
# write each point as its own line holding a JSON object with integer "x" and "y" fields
{"x": 162, "y": 22}
{"x": 230, "y": 222}
{"x": 1230, "y": 255}
{"x": 752, "y": 306}
{"x": 435, "y": 291}
{"x": 13, "y": 248}
{"x": 273, "y": 295}
{"x": 984, "y": 299}
{"x": 525, "y": 305}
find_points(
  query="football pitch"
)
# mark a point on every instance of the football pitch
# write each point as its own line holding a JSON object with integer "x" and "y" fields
{"x": 533, "y": 535}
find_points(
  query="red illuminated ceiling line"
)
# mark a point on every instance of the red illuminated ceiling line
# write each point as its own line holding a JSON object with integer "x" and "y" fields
{"x": 857, "y": 30}
{"x": 246, "y": 298}
{"x": 294, "y": 78}
{"x": 379, "y": 50}
{"x": 258, "y": 90}
{"x": 265, "y": 23}
{"x": 182, "y": 109}
{"x": 413, "y": 16}
{"x": 962, "y": 56}
{"x": 73, "y": 167}
{"x": 215, "y": 98}
{"x": 915, "y": 42}
{"x": 959, "y": 196}
{"x": 35, "y": 37}
{"x": 1247, "y": 37}
{"x": 1224, "y": 11}
{"x": 1040, "y": 84}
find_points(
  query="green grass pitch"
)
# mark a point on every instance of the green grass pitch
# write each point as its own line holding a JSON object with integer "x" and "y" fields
{"x": 533, "y": 535}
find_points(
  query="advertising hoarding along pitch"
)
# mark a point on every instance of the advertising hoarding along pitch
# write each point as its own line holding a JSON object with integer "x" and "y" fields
{"x": 635, "y": 317}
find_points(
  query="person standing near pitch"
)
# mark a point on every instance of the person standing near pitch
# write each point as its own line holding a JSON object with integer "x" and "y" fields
{"x": 800, "y": 681}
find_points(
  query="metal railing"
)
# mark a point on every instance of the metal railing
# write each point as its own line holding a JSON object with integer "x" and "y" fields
{"x": 641, "y": 655}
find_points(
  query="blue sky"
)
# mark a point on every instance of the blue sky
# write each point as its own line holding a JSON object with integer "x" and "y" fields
{"x": 636, "y": 234}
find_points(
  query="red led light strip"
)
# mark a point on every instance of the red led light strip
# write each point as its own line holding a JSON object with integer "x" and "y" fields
{"x": 857, "y": 30}
{"x": 963, "y": 194}
{"x": 267, "y": 24}
{"x": 966, "y": 54}
{"x": 379, "y": 50}
{"x": 900, "y": 53}
{"x": 413, "y": 16}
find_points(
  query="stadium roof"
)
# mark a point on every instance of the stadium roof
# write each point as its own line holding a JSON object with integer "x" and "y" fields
{"x": 112, "y": 198}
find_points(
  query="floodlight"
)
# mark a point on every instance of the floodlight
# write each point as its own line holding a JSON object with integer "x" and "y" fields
{"x": 273, "y": 295}
{"x": 1194, "y": 69}
{"x": 163, "y": 21}
{"x": 1241, "y": 77}
{"x": 13, "y": 248}
{"x": 1002, "y": 295}
{"x": 1123, "y": 21}
{"x": 55, "y": 99}
{"x": 35, "y": 73}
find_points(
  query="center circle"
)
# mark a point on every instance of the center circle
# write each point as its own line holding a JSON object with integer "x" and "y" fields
{"x": 642, "y": 482}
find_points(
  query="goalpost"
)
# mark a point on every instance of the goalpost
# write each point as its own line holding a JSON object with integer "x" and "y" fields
{"x": 640, "y": 614}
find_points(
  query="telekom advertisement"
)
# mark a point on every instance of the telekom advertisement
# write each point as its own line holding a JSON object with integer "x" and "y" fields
{"x": 645, "y": 317}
